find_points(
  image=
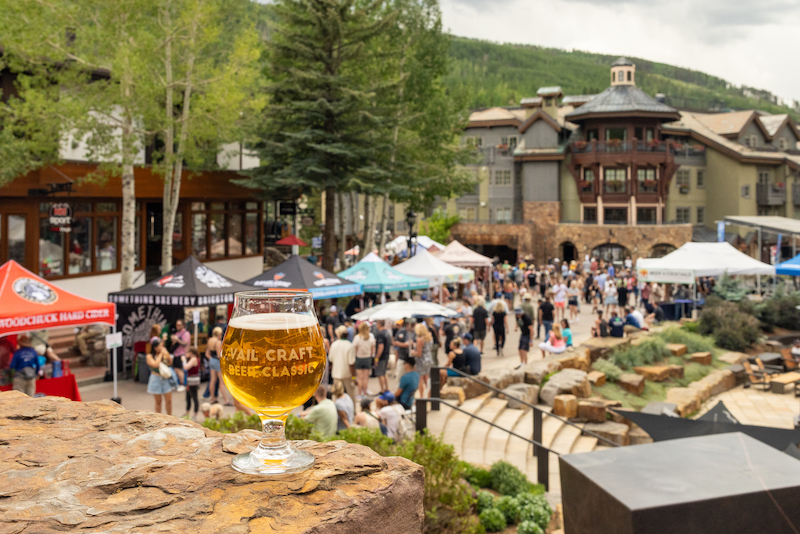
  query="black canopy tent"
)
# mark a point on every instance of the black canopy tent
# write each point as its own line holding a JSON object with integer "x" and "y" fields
{"x": 296, "y": 273}
{"x": 162, "y": 301}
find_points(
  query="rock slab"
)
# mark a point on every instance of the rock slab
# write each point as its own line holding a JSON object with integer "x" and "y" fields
{"x": 597, "y": 378}
{"x": 97, "y": 467}
{"x": 616, "y": 432}
{"x": 592, "y": 411}
{"x": 568, "y": 381}
{"x": 703, "y": 358}
{"x": 677, "y": 349}
{"x": 565, "y": 406}
{"x": 654, "y": 373}
{"x": 632, "y": 383}
{"x": 516, "y": 392}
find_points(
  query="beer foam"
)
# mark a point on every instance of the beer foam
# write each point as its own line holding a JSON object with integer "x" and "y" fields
{"x": 273, "y": 321}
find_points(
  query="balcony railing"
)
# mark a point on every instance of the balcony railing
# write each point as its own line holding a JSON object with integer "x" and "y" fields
{"x": 796, "y": 194}
{"x": 586, "y": 147}
{"x": 770, "y": 195}
{"x": 615, "y": 187}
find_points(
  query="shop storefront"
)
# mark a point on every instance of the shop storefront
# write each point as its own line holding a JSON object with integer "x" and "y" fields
{"x": 72, "y": 237}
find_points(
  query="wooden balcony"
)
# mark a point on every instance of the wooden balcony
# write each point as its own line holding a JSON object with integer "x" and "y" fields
{"x": 770, "y": 195}
{"x": 614, "y": 152}
{"x": 646, "y": 192}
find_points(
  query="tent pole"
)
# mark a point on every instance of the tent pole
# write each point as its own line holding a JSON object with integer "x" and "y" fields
{"x": 758, "y": 277}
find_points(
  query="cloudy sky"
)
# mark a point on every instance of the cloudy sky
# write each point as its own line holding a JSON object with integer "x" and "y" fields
{"x": 745, "y": 42}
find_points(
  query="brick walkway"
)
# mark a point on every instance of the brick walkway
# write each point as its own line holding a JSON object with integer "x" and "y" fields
{"x": 755, "y": 407}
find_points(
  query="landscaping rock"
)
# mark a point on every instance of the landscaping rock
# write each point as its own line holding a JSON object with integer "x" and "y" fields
{"x": 592, "y": 411}
{"x": 596, "y": 377}
{"x": 676, "y": 371}
{"x": 565, "y": 406}
{"x": 616, "y": 432}
{"x": 568, "y": 381}
{"x": 733, "y": 358}
{"x": 637, "y": 436}
{"x": 632, "y": 383}
{"x": 536, "y": 371}
{"x": 677, "y": 349}
{"x": 576, "y": 360}
{"x": 600, "y": 347}
{"x": 703, "y": 358}
{"x": 502, "y": 378}
{"x": 654, "y": 373}
{"x": 526, "y": 392}
{"x": 685, "y": 399}
{"x": 470, "y": 388}
{"x": 453, "y": 393}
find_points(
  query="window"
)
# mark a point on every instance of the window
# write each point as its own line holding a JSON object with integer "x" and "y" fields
{"x": 106, "y": 248}
{"x": 616, "y": 133}
{"x": 637, "y": 133}
{"x": 589, "y": 215}
{"x": 222, "y": 230}
{"x": 701, "y": 179}
{"x": 592, "y": 135}
{"x": 51, "y": 250}
{"x": 588, "y": 181}
{"x": 15, "y": 237}
{"x": 682, "y": 215}
{"x": 473, "y": 141}
{"x": 467, "y": 214}
{"x": 647, "y": 180}
{"x": 764, "y": 176}
{"x": 649, "y": 135}
{"x": 614, "y": 180}
{"x": 752, "y": 141}
{"x": 629, "y": 75}
{"x": 502, "y": 215}
{"x": 701, "y": 215}
{"x": 507, "y": 145}
{"x": 548, "y": 102}
{"x": 745, "y": 191}
{"x": 615, "y": 215}
{"x": 199, "y": 247}
{"x": 646, "y": 215}
{"x": 782, "y": 143}
{"x": 682, "y": 179}
{"x": 502, "y": 177}
{"x": 621, "y": 76}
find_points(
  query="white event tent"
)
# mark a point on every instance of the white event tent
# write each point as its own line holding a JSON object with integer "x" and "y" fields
{"x": 400, "y": 243}
{"x": 424, "y": 265}
{"x": 394, "y": 311}
{"x": 457, "y": 254}
{"x": 694, "y": 260}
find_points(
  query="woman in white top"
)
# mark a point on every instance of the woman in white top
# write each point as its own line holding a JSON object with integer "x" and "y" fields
{"x": 364, "y": 345}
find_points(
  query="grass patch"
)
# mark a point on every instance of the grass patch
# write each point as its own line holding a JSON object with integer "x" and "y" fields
{"x": 694, "y": 342}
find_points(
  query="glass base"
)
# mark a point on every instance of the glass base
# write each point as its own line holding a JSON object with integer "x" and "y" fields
{"x": 272, "y": 461}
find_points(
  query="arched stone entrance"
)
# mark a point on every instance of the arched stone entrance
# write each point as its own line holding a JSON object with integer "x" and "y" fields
{"x": 660, "y": 250}
{"x": 611, "y": 252}
{"x": 568, "y": 251}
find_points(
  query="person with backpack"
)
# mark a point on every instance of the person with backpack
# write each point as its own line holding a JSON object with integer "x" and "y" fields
{"x": 25, "y": 364}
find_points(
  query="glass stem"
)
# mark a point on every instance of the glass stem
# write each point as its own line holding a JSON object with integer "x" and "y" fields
{"x": 274, "y": 433}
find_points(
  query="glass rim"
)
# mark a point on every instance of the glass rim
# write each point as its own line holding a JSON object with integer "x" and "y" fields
{"x": 274, "y": 294}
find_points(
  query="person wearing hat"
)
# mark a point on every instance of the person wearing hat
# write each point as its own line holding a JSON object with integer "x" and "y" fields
{"x": 388, "y": 414}
{"x": 332, "y": 322}
{"x": 25, "y": 365}
{"x": 525, "y": 325}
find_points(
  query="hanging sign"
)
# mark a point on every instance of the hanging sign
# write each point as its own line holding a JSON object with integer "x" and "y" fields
{"x": 61, "y": 216}
{"x": 287, "y": 208}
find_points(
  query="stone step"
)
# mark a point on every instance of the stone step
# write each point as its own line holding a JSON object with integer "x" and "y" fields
{"x": 497, "y": 440}
{"x": 565, "y": 439}
{"x": 475, "y": 435}
{"x": 438, "y": 419}
{"x": 456, "y": 426}
{"x": 584, "y": 444}
{"x": 550, "y": 427}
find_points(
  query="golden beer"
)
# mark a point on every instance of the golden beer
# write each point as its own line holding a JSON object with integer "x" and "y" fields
{"x": 273, "y": 362}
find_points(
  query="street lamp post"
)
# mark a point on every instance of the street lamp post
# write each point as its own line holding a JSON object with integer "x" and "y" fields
{"x": 411, "y": 219}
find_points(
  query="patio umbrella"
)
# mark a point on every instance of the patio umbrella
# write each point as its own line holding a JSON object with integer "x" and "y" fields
{"x": 293, "y": 241}
{"x": 394, "y": 311}
{"x": 296, "y": 273}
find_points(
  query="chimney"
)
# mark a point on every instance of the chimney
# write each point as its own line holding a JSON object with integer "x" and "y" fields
{"x": 661, "y": 97}
{"x": 530, "y": 105}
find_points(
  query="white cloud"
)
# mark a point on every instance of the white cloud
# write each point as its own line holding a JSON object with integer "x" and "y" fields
{"x": 741, "y": 41}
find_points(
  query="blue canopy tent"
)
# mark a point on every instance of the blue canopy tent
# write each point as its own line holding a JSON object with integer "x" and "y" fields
{"x": 789, "y": 267}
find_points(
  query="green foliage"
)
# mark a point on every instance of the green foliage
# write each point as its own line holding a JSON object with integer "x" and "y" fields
{"x": 730, "y": 289}
{"x": 296, "y": 428}
{"x": 612, "y": 371}
{"x": 535, "y": 498}
{"x": 485, "y": 501}
{"x": 529, "y": 527}
{"x": 370, "y": 437}
{"x": 546, "y": 378}
{"x": 731, "y": 327}
{"x": 438, "y": 225}
{"x": 650, "y": 349}
{"x": 692, "y": 327}
{"x": 477, "y": 476}
{"x": 510, "y": 507}
{"x": 501, "y": 74}
{"x": 780, "y": 311}
{"x": 508, "y": 480}
{"x": 693, "y": 342}
{"x": 493, "y": 520}
{"x": 538, "y": 513}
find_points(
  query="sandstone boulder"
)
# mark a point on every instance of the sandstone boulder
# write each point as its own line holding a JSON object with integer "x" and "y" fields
{"x": 568, "y": 381}
{"x": 686, "y": 400}
{"x": 616, "y": 432}
{"x": 654, "y": 373}
{"x": 632, "y": 383}
{"x": 97, "y": 467}
{"x": 733, "y": 358}
{"x": 526, "y": 392}
{"x": 502, "y": 378}
{"x": 600, "y": 347}
{"x": 592, "y": 411}
{"x": 453, "y": 393}
{"x": 536, "y": 371}
{"x": 703, "y": 358}
{"x": 676, "y": 371}
{"x": 677, "y": 349}
{"x": 597, "y": 378}
{"x": 565, "y": 406}
{"x": 470, "y": 388}
{"x": 637, "y": 436}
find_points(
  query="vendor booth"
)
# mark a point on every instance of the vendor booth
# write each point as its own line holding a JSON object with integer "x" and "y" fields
{"x": 425, "y": 265}
{"x": 457, "y": 254}
{"x": 399, "y": 245}
{"x": 789, "y": 267}
{"x": 296, "y": 273}
{"x": 377, "y": 276}
{"x": 394, "y": 311}
{"x": 29, "y": 302}
{"x": 166, "y": 299}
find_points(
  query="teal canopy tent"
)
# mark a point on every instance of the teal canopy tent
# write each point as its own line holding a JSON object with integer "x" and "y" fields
{"x": 377, "y": 276}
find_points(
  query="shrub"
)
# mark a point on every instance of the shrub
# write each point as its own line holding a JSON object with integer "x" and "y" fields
{"x": 493, "y": 520}
{"x": 693, "y": 342}
{"x": 371, "y": 437}
{"x": 508, "y": 480}
{"x": 529, "y": 527}
{"x": 485, "y": 500}
{"x": 732, "y": 328}
{"x": 510, "y": 508}
{"x": 649, "y": 350}
{"x": 779, "y": 311}
{"x": 535, "y": 498}
{"x": 536, "y": 509}
{"x": 234, "y": 423}
{"x": 477, "y": 476}
{"x": 611, "y": 371}
{"x": 729, "y": 289}
{"x": 692, "y": 327}
{"x": 298, "y": 429}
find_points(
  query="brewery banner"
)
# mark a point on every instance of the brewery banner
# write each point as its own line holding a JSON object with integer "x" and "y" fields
{"x": 134, "y": 323}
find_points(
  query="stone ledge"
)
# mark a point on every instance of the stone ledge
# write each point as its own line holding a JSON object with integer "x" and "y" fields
{"x": 99, "y": 467}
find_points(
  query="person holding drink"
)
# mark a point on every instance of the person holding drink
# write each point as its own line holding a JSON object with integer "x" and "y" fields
{"x": 364, "y": 345}
{"x": 272, "y": 360}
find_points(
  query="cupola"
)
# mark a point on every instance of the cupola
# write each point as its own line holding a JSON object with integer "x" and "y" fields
{"x": 623, "y": 72}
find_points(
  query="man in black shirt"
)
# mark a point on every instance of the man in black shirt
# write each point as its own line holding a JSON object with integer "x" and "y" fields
{"x": 403, "y": 340}
{"x": 450, "y": 333}
{"x": 526, "y": 331}
{"x": 355, "y": 305}
{"x": 383, "y": 346}
{"x": 546, "y": 310}
{"x": 332, "y": 322}
{"x": 480, "y": 318}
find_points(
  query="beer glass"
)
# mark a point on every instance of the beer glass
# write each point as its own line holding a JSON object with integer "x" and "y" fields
{"x": 273, "y": 360}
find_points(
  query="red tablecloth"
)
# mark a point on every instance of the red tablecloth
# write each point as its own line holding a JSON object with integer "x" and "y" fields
{"x": 64, "y": 386}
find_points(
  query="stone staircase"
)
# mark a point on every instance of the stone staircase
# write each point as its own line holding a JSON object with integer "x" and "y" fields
{"x": 481, "y": 444}
{"x": 62, "y": 341}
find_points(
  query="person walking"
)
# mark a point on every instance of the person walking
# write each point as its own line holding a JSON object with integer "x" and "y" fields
{"x": 364, "y": 346}
{"x": 383, "y": 348}
{"x": 610, "y": 295}
{"x": 546, "y": 316}
{"x": 499, "y": 323}
{"x": 25, "y": 364}
{"x": 180, "y": 341}
{"x": 343, "y": 361}
{"x": 191, "y": 365}
{"x": 560, "y": 299}
{"x": 573, "y": 293}
{"x": 422, "y": 353}
{"x": 157, "y": 385}
{"x": 215, "y": 384}
{"x": 525, "y": 325}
